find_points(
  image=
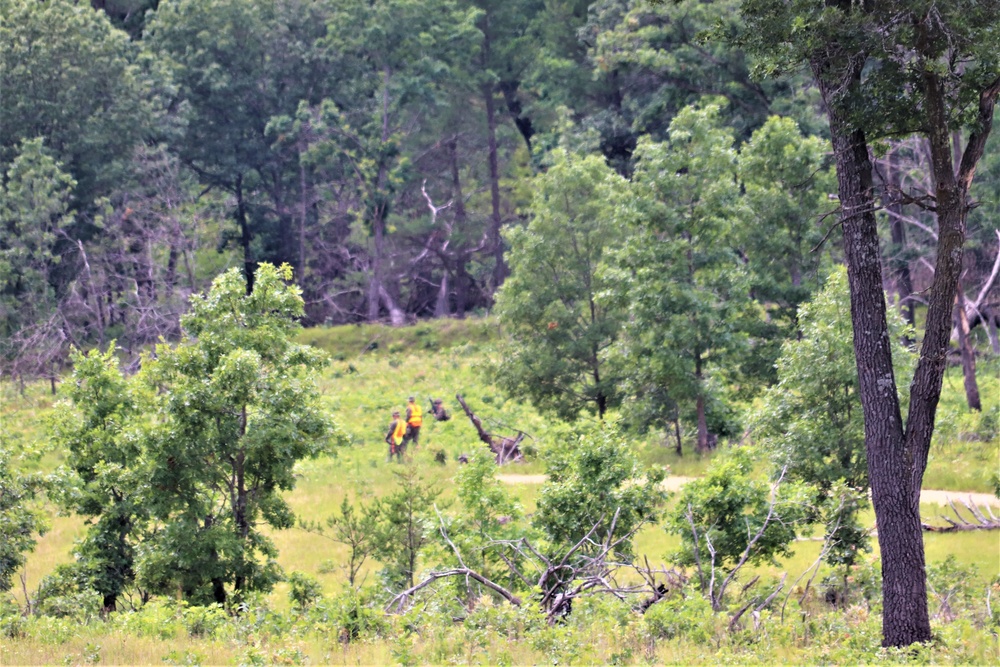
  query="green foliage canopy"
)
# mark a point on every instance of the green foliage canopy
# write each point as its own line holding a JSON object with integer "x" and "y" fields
{"x": 559, "y": 329}
{"x": 591, "y": 477}
{"x": 69, "y": 76}
{"x": 678, "y": 273}
{"x": 238, "y": 407}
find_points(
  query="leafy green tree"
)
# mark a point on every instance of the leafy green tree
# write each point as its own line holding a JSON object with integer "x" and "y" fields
{"x": 728, "y": 518}
{"x": 886, "y": 69}
{"x": 811, "y": 420}
{"x": 19, "y": 521}
{"x": 678, "y": 273}
{"x": 70, "y": 77}
{"x": 591, "y": 478}
{"x": 406, "y": 525}
{"x": 488, "y": 513}
{"x": 785, "y": 186}
{"x": 237, "y": 64}
{"x": 549, "y": 307}
{"x": 655, "y": 58}
{"x": 101, "y": 426}
{"x": 396, "y": 57}
{"x": 237, "y": 407}
{"x": 356, "y": 527}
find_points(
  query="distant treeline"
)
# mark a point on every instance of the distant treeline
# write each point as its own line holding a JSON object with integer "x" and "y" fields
{"x": 380, "y": 148}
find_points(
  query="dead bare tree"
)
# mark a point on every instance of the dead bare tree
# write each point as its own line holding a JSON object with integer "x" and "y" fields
{"x": 588, "y": 567}
{"x": 505, "y": 448}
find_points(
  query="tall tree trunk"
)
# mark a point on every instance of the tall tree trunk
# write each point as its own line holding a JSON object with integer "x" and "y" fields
{"x": 968, "y": 353}
{"x": 240, "y": 497}
{"x": 702, "y": 445}
{"x": 900, "y": 265}
{"x": 303, "y": 208}
{"x": 171, "y": 276}
{"x": 462, "y": 277}
{"x": 677, "y": 434}
{"x": 249, "y": 266}
{"x": 905, "y": 619}
{"x": 218, "y": 585}
{"x": 396, "y": 315}
{"x": 376, "y": 287}
{"x": 489, "y": 97}
{"x": 499, "y": 267}
{"x": 374, "y": 280}
{"x": 441, "y": 304}
{"x": 462, "y": 282}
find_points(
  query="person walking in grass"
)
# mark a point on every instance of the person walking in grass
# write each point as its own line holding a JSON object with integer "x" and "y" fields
{"x": 414, "y": 420}
{"x": 438, "y": 410}
{"x": 396, "y": 437}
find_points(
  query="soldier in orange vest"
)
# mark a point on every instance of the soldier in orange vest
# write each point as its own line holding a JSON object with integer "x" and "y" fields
{"x": 396, "y": 437}
{"x": 414, "y": 420}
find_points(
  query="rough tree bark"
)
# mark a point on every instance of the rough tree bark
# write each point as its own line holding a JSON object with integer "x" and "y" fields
{"x": 897, "y": 456}
{"x": 905, "y": 619}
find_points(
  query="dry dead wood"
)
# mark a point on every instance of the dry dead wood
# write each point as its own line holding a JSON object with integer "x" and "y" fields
{"x": 505, "y": 449}
{"x": 960, "y": 523}
{"x": 586, "y": 568}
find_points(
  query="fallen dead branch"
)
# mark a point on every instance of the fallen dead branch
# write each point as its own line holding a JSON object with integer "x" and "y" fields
{"x": 979, "y": 519}
{"x": 586, "y": 568}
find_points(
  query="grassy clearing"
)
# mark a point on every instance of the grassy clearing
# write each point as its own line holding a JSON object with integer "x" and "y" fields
{"x": 361, "y": 387}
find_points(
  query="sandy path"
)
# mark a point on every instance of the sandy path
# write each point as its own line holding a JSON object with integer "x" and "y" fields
{"x": 675, "y": 482}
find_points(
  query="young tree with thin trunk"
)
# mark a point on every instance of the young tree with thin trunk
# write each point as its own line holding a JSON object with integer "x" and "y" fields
{"x": 678, "y": 275}
{"x": 236, "y": 408}
{"x": 559, "y": 330}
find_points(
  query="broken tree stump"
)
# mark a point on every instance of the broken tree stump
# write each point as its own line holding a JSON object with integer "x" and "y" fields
{"x": 504, "y": 448}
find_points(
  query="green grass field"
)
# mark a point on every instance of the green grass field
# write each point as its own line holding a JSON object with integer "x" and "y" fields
{"x": 362, "y": 385}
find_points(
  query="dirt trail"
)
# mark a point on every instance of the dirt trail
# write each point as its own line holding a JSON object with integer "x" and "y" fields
{"x": 675, "y": 482}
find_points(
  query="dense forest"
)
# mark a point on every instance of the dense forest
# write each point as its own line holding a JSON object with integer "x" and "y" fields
{"x": 710, "y": 221}
{"x": 382, "y": 149}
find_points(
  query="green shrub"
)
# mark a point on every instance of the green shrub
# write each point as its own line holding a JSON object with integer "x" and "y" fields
{"x": 204, "y": 621}
{"x": 11, "y": 621}
{"x": 160, "y": 618}
{"x": 950, "y": 587}
{"x": 304, "y": 591}
{"x": 183, "y": 659}
{"x": 678, "y": 616}
{"x": 356, "y": 614}
{"x": 67, "y": 593}
{"x": 727, "y": 508}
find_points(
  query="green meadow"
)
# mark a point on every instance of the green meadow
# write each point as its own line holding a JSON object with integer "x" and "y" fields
{"x": 372, "y": 371}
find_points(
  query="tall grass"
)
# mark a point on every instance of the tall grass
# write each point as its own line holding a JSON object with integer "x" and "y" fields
{"x": 362, "y": 385}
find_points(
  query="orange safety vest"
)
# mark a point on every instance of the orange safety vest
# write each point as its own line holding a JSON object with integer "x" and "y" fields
{"x": 416, "y": 415}
{"x": 397, "y": 435}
